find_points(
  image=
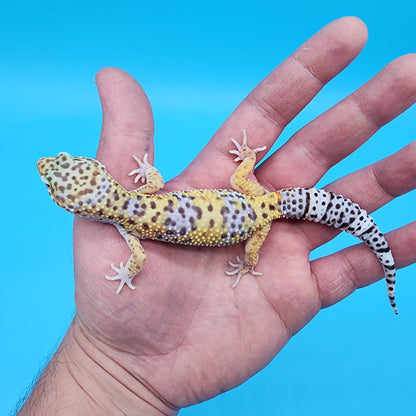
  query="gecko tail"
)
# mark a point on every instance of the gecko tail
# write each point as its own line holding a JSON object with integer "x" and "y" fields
{"x": 327, "y": 208}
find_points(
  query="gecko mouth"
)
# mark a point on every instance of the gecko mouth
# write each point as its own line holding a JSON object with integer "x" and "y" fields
{"x": 45, "y": 180}
{"x": 42, "y": 166}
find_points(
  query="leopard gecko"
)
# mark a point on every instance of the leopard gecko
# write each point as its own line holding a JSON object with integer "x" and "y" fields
{"x": 216, "y": 217}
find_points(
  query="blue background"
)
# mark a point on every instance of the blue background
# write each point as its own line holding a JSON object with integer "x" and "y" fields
{"x": 196, "y": 61}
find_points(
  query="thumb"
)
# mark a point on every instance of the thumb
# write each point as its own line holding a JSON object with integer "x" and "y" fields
{"x": 127, "y": 126}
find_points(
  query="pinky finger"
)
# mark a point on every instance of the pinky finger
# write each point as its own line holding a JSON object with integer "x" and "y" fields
{"x": 339, "y": 274}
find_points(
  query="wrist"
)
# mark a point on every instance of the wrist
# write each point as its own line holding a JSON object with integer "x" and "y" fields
{"x": 82, "y": 379}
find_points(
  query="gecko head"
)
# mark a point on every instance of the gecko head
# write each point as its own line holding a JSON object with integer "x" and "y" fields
{"x": 74, "y": 183}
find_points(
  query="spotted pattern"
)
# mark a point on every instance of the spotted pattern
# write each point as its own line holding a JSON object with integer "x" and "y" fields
{"x": 334, "y": 210}
{"x": 203, "y": 217}
{"x": 200, "y": 217}
{"x": 83, "y": 187}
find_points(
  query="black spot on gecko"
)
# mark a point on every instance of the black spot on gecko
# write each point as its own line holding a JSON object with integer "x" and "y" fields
{"x": 153, "y": 204}
{"x": 198, "y": 211}
{"x": 126, "y": 204}
{"x": 225, "y": 210}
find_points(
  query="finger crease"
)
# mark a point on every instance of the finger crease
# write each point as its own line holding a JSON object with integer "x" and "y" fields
{"x": 370, "y": 118}
{"x": 267, "y": 111}
{"x": 390, "y": 195}
{"x": 308, "y": 70}
{"x": 349, "y": 271}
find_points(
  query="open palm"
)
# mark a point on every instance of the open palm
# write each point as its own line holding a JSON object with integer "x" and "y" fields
{"x": 184, "y": 334}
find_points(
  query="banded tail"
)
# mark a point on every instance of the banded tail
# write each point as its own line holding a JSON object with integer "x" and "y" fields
{"x": 327, "y": 208}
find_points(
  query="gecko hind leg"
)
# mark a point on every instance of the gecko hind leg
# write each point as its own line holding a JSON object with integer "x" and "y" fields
{"x": 240, "y": 180}
{"x": 243, "y": 151}
{"x": 240, "y": 270}
{"x": 251, "y": 255}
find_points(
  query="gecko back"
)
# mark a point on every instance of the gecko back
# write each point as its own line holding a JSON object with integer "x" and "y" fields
{"x": 214, "y": 217}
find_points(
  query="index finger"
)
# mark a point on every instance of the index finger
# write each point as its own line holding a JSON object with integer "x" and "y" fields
{"x": 280, "y": 97}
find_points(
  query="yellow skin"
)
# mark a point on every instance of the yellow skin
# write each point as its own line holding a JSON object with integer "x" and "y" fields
{"x": 183, "y": 338}
{"x": 207, "y": 217}
{"x": 83, "y": 187}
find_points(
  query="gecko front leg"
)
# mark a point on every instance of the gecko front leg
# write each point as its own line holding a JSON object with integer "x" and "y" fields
{"x": 154, "y": 182}
{"x": 127, "y": 273}
{"x": 149, "y": 174}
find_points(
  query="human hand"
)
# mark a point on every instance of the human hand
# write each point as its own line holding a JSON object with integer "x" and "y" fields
{"x": 184, "y": 335}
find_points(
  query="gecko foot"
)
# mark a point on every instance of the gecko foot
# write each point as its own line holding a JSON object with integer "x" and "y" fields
{"x": 243, "y": 151}
{"x": 240, "y": 270}
{"x": 140, "y": 172}
{"x": 122, "y": 275}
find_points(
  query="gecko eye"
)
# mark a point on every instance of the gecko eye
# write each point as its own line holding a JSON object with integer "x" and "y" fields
{"x": 64, "y": 154}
